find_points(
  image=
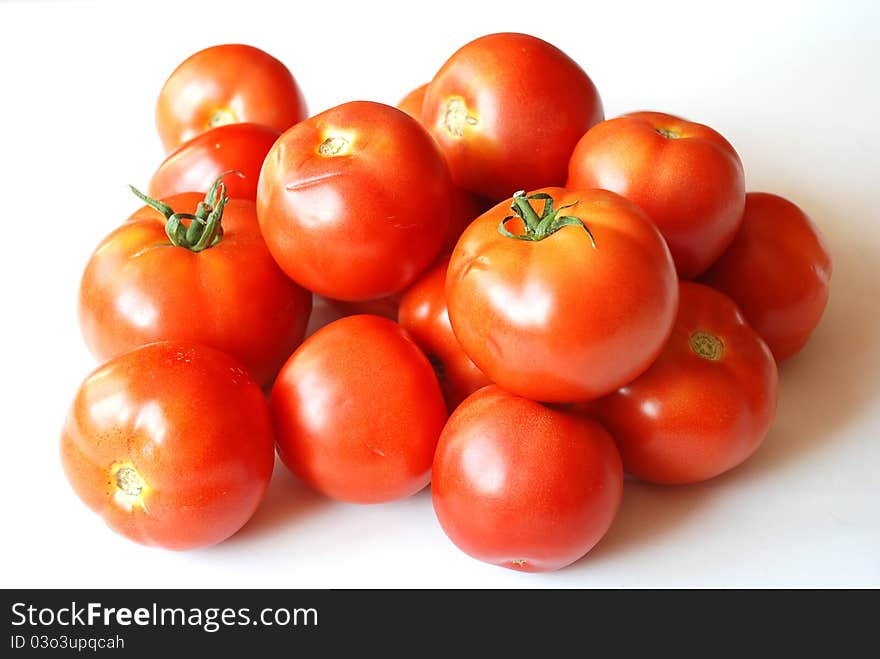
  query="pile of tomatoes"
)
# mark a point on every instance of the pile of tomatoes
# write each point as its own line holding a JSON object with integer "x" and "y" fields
{"x": 533, "y": 300}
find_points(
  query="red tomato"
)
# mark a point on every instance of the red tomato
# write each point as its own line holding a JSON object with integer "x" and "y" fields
{"x": 507, "y": 110}
{"x": 412, "y": 102}
{"x": 140, "y": 287}
{"x": 570, "y": 308}
{"x": 777, "y": 270}
{"x": 224, "y": 85}
{"x": 171, "y": 444}
{"x": 195, "y": 165}
{"x": 684, "y": 175}
{"x": 355, "y": 202}
{"x": 358, "y": 411}
{"x": 705, "y": 405}
{"x": 465, "y": 205}
{"x": 422, "y": 313}
{"x": 524, "y": 486}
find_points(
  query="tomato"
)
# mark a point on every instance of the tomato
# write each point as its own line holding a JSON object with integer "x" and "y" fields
{"x": 507, "y": 110}
{"x": 778, "y": 271}
{"x": 355, "y": 202}
{"x": 707, "y": 402}
{"x": 141, "y": 286}
{"x": 684, "y": 175}
{"x": 422, "y": 313}
{"x": 196, "y": 164}
{"x": 171, "y": 444}
{"x": 412, "y": 102}
{"x": 358, "y": 411}
{"x": 226, "y": 84}
{"x": 466, "y": 206}
{"x": 524, "y": 486}
{"x": 567, "y": 306}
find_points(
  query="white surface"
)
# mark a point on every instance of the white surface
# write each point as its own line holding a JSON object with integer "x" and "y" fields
{"x": 794, "y": 86}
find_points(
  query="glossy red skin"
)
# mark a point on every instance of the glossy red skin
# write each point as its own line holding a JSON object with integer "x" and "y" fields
{"x": 245, "y": 83}
{"x": 557, "y": 320}
{"x": 692, "y": 187}
{"x": 422, "y": 313}
{"x": 778, "y": 270}
{"x": 688, "y": 418}
{"x": 192, "y": 423}
{"x": 524, "y": 486}
{"x": 466, "y": 206}
{"x": 358, "y": 411}
{"x": 531, "y": 104}
{"x": 196, "y": 164}
{"x": 137, "y": 288}
{"x": 362, "y": 224}
{"x": 412, "y": 103}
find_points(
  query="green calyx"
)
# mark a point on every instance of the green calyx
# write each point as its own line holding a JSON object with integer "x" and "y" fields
{"x": 205, "y": 228}
{"x": 539, "y": 227}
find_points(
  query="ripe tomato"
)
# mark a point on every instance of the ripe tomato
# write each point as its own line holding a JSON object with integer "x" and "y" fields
{"x": 196, "y": 164}
{"x": 358, "y": 411}
{"x": 570, "y": 307}
{"x": 777, "y": 270}
{"x": 171, "y": 444}
{"x": 422, "y": 313}
{"x": 412, "y": 102}
{"x": 355, "y": 202}
{"x": 141, "y": 285}
{"x": 684, "y": 175}
{"x": 707, "y": 402}
{"x": 224, "y": 85}
{"x": 524, "y": 486}
{"x": 507, "y": 110}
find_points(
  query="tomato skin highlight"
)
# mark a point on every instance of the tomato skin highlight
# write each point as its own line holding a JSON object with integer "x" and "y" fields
{"x": 231, "y": 83}
{"x": 690, "y": 418}
{"x": 196, "y": 164}
{"x": 778, "y": 270}
{"x": 137, "y": 288}
{"x": 558, "y": 320}
{"x": 358, "y": 411}
{"x": 507, "y": 110}
{"x": 191, "y": 427}
{"x": 684, "y": 175}
{"x": 422, "y": 313}
{"x": 354, "y": 202}
{"x": 522, "y": 485}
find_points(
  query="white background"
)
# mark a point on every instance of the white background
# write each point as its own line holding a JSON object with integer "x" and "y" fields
{"x": 793, "y": 85}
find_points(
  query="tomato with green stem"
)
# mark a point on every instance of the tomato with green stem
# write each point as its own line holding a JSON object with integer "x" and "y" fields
{"x": 171, "y": 444}
{"x": 524, "y": 486}
{"x": 226, "y": 84}
{"x": 196, "y": 164}
{"x": 567, "y": 298}
{"x": 199, "y": 272}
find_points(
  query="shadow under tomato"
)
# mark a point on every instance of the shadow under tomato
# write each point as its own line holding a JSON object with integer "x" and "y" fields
{"x": 647, "y": 511}
{"x": 288, "y": 501}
